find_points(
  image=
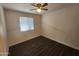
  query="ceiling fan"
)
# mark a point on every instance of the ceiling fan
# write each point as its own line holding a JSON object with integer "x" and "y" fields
{"x": 40, "y": 7}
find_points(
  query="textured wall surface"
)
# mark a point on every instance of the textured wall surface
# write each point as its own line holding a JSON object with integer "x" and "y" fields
{"x": 63, "y": 26}
{"x": 15, "y": 36}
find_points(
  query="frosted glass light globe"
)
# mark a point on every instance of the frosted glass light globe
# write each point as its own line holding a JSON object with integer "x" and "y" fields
{"x": 39, "y": 10}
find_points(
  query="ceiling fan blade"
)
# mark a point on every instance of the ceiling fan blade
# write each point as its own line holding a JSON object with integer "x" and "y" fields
{"x": 32, "y": 9}
{"x": 34, "y": 5}
{"x": 45, "y": 4}
{"x": 44, "y": 9}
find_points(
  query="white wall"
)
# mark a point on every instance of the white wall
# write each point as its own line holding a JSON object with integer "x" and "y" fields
{"x": 60, "y": 25}
{"x": 15, "y": 36}
{"x": 3, "y": 34}
{"x": 63, "y": 26}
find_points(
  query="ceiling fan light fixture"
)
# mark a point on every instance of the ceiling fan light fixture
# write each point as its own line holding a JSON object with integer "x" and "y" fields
{"x": 40, "y": 7}
{"x": 39, "y": 10}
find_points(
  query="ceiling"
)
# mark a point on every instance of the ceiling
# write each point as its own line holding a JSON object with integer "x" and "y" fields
{"x": 25, "y": 7}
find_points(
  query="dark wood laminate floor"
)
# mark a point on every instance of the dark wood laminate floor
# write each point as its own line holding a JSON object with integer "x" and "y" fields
{"x": 41, "y": 46}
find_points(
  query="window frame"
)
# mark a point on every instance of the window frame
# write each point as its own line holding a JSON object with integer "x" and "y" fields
{"x": 26, "y": 30}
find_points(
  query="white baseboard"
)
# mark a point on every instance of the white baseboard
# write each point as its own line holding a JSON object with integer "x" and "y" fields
{"x": 47, "y": 37}
{"x": 23, "y": 40}
{"x": 60, "y": 42}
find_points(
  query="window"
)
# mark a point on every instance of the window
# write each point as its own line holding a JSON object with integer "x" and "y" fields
{"x": 26, "y": 24}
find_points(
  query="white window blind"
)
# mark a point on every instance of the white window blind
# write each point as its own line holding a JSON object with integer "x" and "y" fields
{"x": 26, "y": 24}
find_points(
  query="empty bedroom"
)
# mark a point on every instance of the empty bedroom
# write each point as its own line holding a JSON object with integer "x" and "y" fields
{"x": 39, "y": 29}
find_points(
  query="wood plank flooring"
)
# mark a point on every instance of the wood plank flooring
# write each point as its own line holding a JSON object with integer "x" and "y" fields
{"x": 41, "y": 46}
